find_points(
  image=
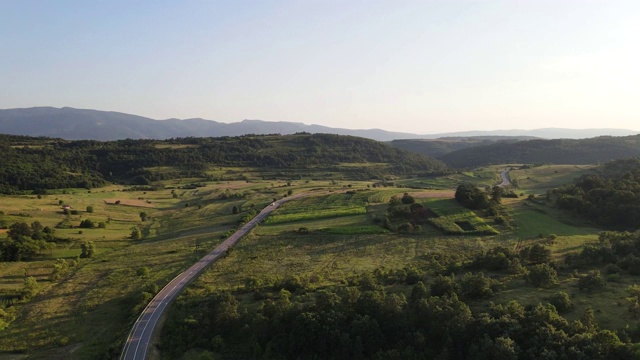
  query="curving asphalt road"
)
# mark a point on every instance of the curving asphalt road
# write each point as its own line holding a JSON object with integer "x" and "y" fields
{"x": 505, "y": 178}
{"x": 137, "y": 344}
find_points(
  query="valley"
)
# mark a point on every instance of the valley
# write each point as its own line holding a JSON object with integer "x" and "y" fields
{"x": 377, "y": 241}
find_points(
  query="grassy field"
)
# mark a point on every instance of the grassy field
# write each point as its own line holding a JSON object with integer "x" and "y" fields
{"x": 453, "y": 219}
{"x": 486, "y": 176}
{"x": 538, "y": 179}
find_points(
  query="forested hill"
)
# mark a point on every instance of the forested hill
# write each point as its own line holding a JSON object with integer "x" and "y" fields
{"x": 444, "y": 145}
{"x": 561, "y": 151}
{"x": 29, "y": 163}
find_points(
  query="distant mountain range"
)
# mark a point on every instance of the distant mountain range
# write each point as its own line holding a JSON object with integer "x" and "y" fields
{"x": 77, "y": 124}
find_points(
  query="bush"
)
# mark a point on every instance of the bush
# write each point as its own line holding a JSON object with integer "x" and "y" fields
{"x": 143, "y": 272}
{"x": 87, "y": 224}
{"x": 475, "y": 286}
{"x": 443, "y": 285}
{"x": 561, "y": 301}
{"x": 64, "y": 224}
{"x": 542, "y": 275}
{"x": 536, "y": 254}
{"x": 613, "y": 269}
{"x": 88, "y": 249}
{"x": 591, "y": 281}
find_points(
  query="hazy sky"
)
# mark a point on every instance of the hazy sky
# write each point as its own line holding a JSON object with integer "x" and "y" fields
{"x": 414, "y": 66}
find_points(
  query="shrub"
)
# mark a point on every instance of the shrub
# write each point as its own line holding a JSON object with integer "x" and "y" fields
{"x": 88, "y": 249}
{"x": 87, "y": 224}
{"x": 542, "y": 275}
{"x": 475, "y": 286}
{"x": 143, "y": 272}
{"x": 443, "y": 285}
{"x": 613, "y": 269}
{"x": 407, "y": 199}
{"x": 561, "y": 301}
{"x": 591, "y": 281}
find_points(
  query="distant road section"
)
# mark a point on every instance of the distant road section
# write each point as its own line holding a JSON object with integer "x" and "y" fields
{"x": 137, "y": 345}
{"x": 505, "y": 178}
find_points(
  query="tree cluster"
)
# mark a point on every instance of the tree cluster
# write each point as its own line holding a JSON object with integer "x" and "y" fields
{"x": 611, "y": 199}
{"x": 358, "y": 322}
{"x": 25, "y": 241}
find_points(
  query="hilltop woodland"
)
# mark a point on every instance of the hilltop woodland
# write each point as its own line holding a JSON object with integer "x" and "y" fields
{"x": 41, "y": 163}
{"x": 444, "y": 145}
{"x": 390, "y": 255}
{"x": 610, "y": 198}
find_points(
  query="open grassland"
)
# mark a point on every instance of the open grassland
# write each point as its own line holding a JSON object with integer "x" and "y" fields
{"x": 538, "y": 179}
{"x": 532, "y": 220}
{"x": 485, "y": 176}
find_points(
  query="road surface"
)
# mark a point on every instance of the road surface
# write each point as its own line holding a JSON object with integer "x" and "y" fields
{"x": 505, "y": 178}
{"x": 137, "y": 344}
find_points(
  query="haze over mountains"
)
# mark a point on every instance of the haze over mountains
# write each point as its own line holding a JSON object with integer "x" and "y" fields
{"x": 77, "y": 124}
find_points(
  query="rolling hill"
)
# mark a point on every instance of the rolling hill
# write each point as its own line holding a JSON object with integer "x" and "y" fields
{"x": 560, "y": 151}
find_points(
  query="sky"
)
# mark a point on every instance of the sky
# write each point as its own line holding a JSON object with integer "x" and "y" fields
{"x": 412, "y": 66}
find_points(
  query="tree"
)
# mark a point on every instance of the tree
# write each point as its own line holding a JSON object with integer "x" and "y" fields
{"x": 235, "y": 210}
{"x": 469, "y": 196}
{"x": 496, "y": 194}
{"x": 90, "y": 209}
{"x": 19, "y": 230}
{"x": 19, "y": 244}
{"x": 407, "y": 199}
{"x": 143, "y": 216}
